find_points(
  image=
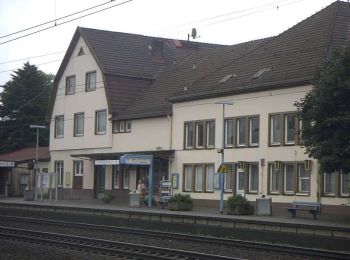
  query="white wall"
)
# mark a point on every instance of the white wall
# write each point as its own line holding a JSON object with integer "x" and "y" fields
{"x": 259, "y": 103}
{"x": 81, "y": 101}
{"x": 149, "y": 134}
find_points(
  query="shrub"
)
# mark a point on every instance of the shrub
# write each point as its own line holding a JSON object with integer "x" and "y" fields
{"x": 107, "y": 197}
{"x": 185, "y": 198}
{"x": 237, "y": 204}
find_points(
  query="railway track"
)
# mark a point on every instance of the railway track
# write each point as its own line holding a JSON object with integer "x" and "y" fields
{"x": 285, "y": 249}
{"x": 101, "y": 246}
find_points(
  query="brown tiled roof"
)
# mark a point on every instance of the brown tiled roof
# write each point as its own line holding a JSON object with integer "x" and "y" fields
{"x": 154, "y": 102}
{"x": 129, "y": 62}
{"x": 291, "y": 57}
{"x": 26, "y": 154}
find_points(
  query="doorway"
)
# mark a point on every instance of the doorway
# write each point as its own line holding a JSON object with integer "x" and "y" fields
{"x": 99, "y": 181}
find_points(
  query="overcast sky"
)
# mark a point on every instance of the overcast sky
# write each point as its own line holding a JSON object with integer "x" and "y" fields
{"x": 219, "y": 21}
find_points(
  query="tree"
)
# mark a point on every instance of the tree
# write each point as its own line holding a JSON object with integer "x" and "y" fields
{"x": 24, "y": 101}
{"x": 325, "y": 115}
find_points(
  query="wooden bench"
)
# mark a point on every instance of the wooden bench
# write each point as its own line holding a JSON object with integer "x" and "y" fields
{"x": 313, "y": 207}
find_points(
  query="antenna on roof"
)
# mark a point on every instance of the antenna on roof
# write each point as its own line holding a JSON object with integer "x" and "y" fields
{"x": 194, "y": 33}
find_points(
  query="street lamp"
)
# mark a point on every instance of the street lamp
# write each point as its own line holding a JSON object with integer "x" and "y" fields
{"x": 222, "y": 179}
{"x": 37, "y": 127}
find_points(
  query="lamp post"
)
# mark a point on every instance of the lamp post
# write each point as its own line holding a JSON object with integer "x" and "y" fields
{"x": 222, "y": 179}
{"x": 36, "y": 166}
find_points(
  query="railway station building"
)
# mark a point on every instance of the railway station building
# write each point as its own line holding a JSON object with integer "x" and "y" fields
{"x": 119, "y": 98}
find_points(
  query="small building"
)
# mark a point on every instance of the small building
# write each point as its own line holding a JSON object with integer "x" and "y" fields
{"x": 16, "y": 169}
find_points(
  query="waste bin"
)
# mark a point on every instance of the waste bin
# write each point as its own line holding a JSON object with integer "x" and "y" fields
{"x": 134, "y": 200}
{"x": 263, "y": 206}
{"x": 28, "y": 194}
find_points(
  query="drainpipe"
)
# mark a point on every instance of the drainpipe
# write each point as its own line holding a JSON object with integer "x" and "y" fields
{"x": 170, "y": 131}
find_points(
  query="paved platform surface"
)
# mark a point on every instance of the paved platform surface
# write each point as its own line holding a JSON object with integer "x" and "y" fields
{"x": 327, "y": 221}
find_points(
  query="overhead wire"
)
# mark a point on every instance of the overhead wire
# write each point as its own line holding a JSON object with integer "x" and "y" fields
{"x": 68, "y": 21}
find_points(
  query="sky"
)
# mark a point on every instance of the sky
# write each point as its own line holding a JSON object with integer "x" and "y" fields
{"x": 220, "y": 21}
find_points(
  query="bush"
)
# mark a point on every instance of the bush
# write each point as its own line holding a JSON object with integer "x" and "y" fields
{"x": 107, "y": 197}
{"x": 181, "y": 202}
{"x": 181, "y": 198}
{"x": 239, "y": 205}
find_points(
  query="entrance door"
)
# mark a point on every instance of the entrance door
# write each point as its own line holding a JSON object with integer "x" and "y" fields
{"x": 100, "y": 172}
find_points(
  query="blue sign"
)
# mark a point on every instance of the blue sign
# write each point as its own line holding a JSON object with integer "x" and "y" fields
{"x": 136, "y": 159}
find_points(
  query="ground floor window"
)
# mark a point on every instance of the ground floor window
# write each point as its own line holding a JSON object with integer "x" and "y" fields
{"x": 253, "y": 178}
{"x": 198, "y": 177}
{"x": 288, "y": 178}
{"x": 59, "y": 169}
{"x": 121, "y": 177}
{"x": 336, "y": 184}
{"x": 229, "y": 177}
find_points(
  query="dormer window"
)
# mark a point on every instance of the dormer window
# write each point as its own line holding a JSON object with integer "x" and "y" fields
{"x": 260, "y": 72}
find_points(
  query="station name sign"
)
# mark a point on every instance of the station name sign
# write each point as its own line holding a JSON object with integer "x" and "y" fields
{"x": 7, "y": 164}
{"x": 136, "y": 160}
{"x": 106, "y": 162}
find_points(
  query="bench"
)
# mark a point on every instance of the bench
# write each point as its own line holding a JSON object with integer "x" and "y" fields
{"x": 313, "y": 207}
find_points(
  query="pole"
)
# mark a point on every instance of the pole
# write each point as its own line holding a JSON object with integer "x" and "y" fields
{"x": 150, "y": 183}
{"x": 222, "y": 179}
{"x": 36, "y": 163}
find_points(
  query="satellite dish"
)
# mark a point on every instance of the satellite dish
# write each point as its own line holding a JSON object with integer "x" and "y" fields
{"x": 194, "y": 33}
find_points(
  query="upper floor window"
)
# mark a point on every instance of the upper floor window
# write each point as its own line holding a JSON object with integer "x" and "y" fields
{"x": 59, "y": 126}
{"x": 122, "y": 126}
{"x": 199, "y": 135}
{"x": 79, "y": 124}
{"x": 78, "y": 167}
{"x": 244, "y": 129}
{"x": 284, "y": 129}
{"x": 101, "y": 122}
{"x": 70, "y": 85}
{"x": 91, "y": 81}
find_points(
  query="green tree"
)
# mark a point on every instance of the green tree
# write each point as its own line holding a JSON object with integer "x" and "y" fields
{"x": 325, "y": 115}
{"x": 23, "y": 102}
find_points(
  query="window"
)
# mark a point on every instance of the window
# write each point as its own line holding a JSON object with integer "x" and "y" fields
{"x": 70, "y": 85}
{"x": 240, "y": 185}
{"x": 253, "y": 176}
{"x": 122, "y": 127}
{"x": 188, "y": 135}
{"x": 289, "y": 129}
{"x": 188, "y": 177}
{"x": 209, "y": 178}
{"x": 199, "y": 178}
{"x": 45, "y": 170}
{"x": 275, "y": 130}
{"x": 116, "y": 180}
{"x": 345, "y": 184}
{"x": 200, "y": 135}
{"x": 91, "y": 81}
{"x": 59, "y": 171}
{"x": 289, "y": 178}
{"x": 229, "y": 133}
{"x": 59, "y": 126}
{"x": 228, "y": 178}
{"x": 253, "y": 131}
{"x": 274, "y": 180}
{"x": 79, "y": 124}
{"x": 284, "y": 129}
{"x": 101, "y": 122}
{"x": 210, "y": 134}
{"x": 244, "y": 129}
{"x": 303, "y": 179}
{"x": 78, "y": 168}
{"x": 329, "y": 184}
{"x": 241, "y": 132}
{"x": 199, "y": 171}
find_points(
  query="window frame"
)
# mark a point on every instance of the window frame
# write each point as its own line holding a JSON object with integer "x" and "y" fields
{"x": 285, "y": 129}
{"x": 343, "y": 193}
{"x": 192, "y": 170}
{"x": 81, "y": 167}
{"x": 272, "y": 130}
{"x": 198, "y": 125}
{"x": 59, "y": 118}
{"x": 250, "y": 190}
{"x": 68, "y": 85}
{"x": 299, "y": 179}
{"x": 229, "y": 123}
{"x": 76, "y": 115}
{"x": 250, "y": 129}
{"x": 87, "y": 81}
{"x": 60, "y": 178}
{"x": 193, "y": 135}
{"x": 278, "y": 175}
{"x": 187, "y": 126}
{"x": 97, "y": 112}
{"x": 282, "y": 132}
{"x": 238, "y": 132}
{"x": 208, "y": 134}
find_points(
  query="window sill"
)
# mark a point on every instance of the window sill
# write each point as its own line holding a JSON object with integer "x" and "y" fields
{"x": 303, "y": 194}
{"x": 78, "y": 135}
{"x": 59, "y": 137}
